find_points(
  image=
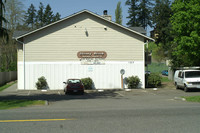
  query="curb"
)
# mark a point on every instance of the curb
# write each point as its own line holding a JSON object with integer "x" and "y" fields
{"x": 179, "y": 98}
{"x": 46, "y": 103}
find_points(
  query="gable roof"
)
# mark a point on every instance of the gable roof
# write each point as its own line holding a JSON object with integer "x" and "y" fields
{"x": 139, "y": 29}
{"x": 84, "y": 11}
{"x": 19, "y": 33}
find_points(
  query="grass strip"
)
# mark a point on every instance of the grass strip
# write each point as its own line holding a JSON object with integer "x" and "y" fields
{"x": 10, "y": 104}
{"x": 165, "y": 79}
{"x": 193, "y": 99}
{"x": 6, "y": 86}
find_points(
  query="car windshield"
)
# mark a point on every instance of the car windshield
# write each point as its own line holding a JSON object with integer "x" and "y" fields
{"x": 192, "y": 74}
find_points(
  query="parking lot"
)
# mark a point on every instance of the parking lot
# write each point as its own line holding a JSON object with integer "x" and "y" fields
{"x": 58, "y": 95}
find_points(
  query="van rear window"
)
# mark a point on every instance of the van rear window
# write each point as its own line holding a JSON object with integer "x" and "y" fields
{"x": 192, "y": 74}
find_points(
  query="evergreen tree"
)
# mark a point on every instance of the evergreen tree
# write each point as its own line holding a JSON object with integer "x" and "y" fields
{"x": 133, "y": 12}
{"x": 40, "y": 15}
{"x": 48, "y": 15}
{"x": 118, "y": 13}
{"x": 30, "y": 17}
{"x": 161, "y": 19}
{"x": 56, "y": 17}
{"x": 144, "y": 13}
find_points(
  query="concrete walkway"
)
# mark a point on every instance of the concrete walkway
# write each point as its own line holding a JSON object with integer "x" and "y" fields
{"x": 12, "y": 88}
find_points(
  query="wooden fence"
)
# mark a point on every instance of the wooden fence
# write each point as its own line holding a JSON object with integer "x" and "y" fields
{"x": 6, "y": 77}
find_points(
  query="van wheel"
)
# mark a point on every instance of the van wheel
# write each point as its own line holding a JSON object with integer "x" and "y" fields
{"x": 185, "y": 88}
{"x": 176, "y": 86}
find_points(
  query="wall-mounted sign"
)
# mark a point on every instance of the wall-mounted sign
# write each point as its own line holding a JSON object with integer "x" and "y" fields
{"x": 92, "y": 54}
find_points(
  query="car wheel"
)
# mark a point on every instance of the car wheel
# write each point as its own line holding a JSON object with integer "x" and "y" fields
{"x": 186, "y": 89}
{"x": 176, "y": 86}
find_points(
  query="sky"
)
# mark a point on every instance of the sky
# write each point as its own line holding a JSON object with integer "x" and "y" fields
{"x": 69, "y": 7}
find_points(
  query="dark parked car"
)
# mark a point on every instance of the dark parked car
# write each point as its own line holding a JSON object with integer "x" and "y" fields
{"x": 165, "y": 72}
{"x": 74, "y": 86}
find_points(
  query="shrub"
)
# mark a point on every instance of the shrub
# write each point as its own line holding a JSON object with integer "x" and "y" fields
{"x": 133, "y": 82}
{"x": 87, "y": 82}
{"x": 41, "y": 83}
{"x": 154, "y": 80}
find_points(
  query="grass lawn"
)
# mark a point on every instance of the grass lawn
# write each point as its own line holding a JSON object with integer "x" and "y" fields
{"x": 165, "y": 79}
{"x": 156, "y": 67}
{"x": 6, "y": 86}
{"x": 193, "y": 99}
{"x": 10, "y": 104}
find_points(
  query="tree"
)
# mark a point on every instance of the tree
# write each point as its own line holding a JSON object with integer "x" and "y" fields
{"x": 118, "y": 13}
{"x": 8, "y": 50}
{"x": 56, "y": 17}
{"x": 139, "y": 13}
{"x": 14, "y": 14}
{"x": 48, "y": 15}
{"x": 186, "y": 29}
{"x": 40, "y": 15}
{"x": 158, "y": 53}
{"x": 144, "y": 14}
{"x": 133, "y": 12}
{"x": 3, "y": 31}
{"x": 30, "y": 17}
{"x": 161, "y": 20}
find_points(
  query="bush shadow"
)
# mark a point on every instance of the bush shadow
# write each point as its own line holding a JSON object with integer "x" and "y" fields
{"x": 60, "y": 96}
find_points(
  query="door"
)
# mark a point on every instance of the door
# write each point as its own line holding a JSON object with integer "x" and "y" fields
{"x": 180, "y": 79}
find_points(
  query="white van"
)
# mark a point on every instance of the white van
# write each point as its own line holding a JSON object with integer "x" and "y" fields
{"x": 187, "y": 79}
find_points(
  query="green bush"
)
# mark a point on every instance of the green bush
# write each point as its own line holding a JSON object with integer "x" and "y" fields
{"x": 87, "y": 82}
{"x": 154, "y": 80}
{"x": 41, "y": 83}
{"x": 133, "y": 82}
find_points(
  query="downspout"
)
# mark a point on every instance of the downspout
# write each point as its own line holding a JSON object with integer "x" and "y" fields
{"x": 23, "y": 59}
{"x": 147, "y": 43}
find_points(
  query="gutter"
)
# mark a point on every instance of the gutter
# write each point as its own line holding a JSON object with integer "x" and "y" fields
{"x": 23, "y": 59}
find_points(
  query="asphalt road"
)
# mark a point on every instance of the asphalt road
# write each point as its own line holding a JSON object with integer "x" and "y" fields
{"x": 139, "y": 111}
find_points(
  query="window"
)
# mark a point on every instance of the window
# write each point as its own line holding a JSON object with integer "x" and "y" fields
{"x": 192, "y": 74}
{"x": 180, "y": 74}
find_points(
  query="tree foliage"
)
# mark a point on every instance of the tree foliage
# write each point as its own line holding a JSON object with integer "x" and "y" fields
{"x": 161, "y": 19}
{"x": 8, "y": 56}
{"x": 158, "y": 53}
{"x": 186, "y": 29}
{"x": 14, "y": 14}
{"x": 140, "y": 13}
{"x": 118, "y": 13}
{"x": 133, "y": 13}
{"x": 145, "y": 13}
{"x": 31, "y": 16}
{"x": 56, "y": 17}
{"x": 48, "y": 15}
{"x": 40, "y": 15}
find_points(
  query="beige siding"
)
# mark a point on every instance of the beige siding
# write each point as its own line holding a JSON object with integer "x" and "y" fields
{"x": 62, "y": 41}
